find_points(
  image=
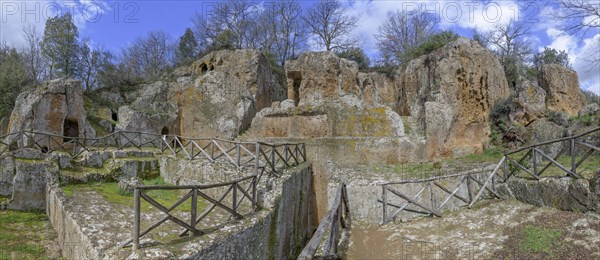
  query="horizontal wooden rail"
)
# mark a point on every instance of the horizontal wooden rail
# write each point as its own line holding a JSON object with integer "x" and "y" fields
{"x": 535, "y": 162}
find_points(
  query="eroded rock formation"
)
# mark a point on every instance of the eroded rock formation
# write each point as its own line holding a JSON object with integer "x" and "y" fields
{"x": 220, "y": 93}
{"x": 54, "y": 107}
{"x": 562, "y": 88}
{"x": 530, "y": 103}
{"x": 450, "y": 93}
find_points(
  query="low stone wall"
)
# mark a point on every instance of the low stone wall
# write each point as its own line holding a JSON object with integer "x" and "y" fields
{"x": 283, "y": 231}
{"x": 278, "y": 231}
{"x": 562, "y": 193}
{"x": 72, "y": 240}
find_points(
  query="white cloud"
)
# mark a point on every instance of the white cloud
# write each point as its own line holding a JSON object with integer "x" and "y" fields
{"x": 18, "y": 14}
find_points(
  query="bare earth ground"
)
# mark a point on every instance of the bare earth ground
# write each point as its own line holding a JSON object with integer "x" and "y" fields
{"x": 491, "y": 230}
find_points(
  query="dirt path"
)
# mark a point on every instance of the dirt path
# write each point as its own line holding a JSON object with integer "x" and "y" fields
{"x": 492, "y": 230}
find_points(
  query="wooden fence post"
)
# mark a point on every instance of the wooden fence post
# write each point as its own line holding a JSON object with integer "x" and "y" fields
{"x": 534, "y": 160}
{"x": 194, "y": 207}
{"x": 384, "y": 198}
{"x": 254, "y": 198}
{"x": 573, "y": 156}
{"x": 234, "y": 187}
{"x": 136, "y": 221}
{"x": 238, "y": 155}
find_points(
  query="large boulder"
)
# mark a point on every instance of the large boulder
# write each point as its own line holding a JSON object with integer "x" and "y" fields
{"x": 562, "y": 88}
{"x": 530, "y": 103}
{"x": 150, "y": 111}
{"x": 54, "y": 107}
{"x": 219, "y": 94}
{"x": 450, "y": 93}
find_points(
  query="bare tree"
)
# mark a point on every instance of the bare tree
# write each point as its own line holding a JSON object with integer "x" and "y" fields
{"x": 89, "y": 65}
{"x": 148, "y": 57}
{"x": 228, "y": 24}
{"x": 510, "y": 44}
{"x": 331, "y": 24}
{"x": 32, "y": 53}
{"x": 581, "y": 17}
{"x": 401, "y": 32}
{"x": 291, "y": 31}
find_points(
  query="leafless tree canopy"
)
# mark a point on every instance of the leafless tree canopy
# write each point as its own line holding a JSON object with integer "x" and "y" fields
{"x": 149, "y": 56}
{"x": 32, "y": 53}
{"x": 402, "y": 32}
{"x": 329, "y": 21}
{"x": 508, "y": 40}
{"x": 582, "y": 17}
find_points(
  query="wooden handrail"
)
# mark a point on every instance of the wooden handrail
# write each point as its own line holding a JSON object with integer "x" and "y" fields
{"x": 337, "y": 215}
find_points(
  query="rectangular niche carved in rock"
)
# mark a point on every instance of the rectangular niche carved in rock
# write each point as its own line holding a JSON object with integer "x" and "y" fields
{"x": 70, "y": 130}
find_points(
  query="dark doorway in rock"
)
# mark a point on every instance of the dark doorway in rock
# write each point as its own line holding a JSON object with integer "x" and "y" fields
{"x": 115, "y": 116}
{"x": 164, "y": 131}
{"x": 294, "y": 94}
{"x": 44, "y": 149}
{"x": 203, "y": 67}
{"x": 70, "y": 130}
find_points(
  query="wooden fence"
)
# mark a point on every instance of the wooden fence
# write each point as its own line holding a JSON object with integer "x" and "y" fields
{"x": 337, "y": 218}
{"x": 235, "y": 188}
{"x": 264, "y": 157}
{"x": 535, "y": 162}
{"x": 393, "y": 197}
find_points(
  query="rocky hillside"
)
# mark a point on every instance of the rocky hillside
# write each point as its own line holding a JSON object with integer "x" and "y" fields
{"x": 450, "y": 102}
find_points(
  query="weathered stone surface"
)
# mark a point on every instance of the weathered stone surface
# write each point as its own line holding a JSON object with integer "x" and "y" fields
{"x": 333, "y": 100}
{"x": 530, "y": 103}
{"x": 7, "y": 174}
{"x": 562, "y": 89}
{"x": 150, "y": 112}
{"x": 544, "y": 130}
{"x": 561, "y": 193}
{"x": 229, "y": 88}
{"x": 54, "y": 107}
{"x": 450, "y": 93}
{"x": 126, "y": 186}
{"x": 32, "y": 178}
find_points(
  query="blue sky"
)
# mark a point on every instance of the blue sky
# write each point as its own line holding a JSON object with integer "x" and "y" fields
{"x": 113, "y": 25}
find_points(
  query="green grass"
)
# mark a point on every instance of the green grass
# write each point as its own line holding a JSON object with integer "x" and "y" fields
{"x": 539, "y": 239}
{"x": 490, "y": 155}
{"x": 110, "y": 191}
{"x": 22, "y": 235}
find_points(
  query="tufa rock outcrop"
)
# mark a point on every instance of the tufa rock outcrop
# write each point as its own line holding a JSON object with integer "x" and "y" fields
{"x": 450, "y": 93}
{"x": 328, "y": 97}
{"x": 150, "y": 111}
{"x": 562, "y": 89}
{"x": 221, "y": 93}
{"x": 530, "y": 103}
{"x": 54, "y": 107}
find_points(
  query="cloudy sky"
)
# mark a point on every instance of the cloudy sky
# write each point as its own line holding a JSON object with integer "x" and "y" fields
{"x": 113, "y": 25}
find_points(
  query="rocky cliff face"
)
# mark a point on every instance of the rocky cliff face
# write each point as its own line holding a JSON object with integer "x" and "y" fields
{"x": 220, "y": 93}
{"x": 562, "y": 88}
{"x": 450, "y": 93}
{"x": 149, "y": 112}
{"x": 54, "y": 107}
{"x": 328, "y": 97}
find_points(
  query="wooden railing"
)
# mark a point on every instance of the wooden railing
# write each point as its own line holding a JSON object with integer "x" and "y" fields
{"x": 535, "y": 162}
{"x": 393, "y": 197}
{"x": 264, "y": 157}
{"x": 235, "y": 188}
{"x": 337, "y": 218}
